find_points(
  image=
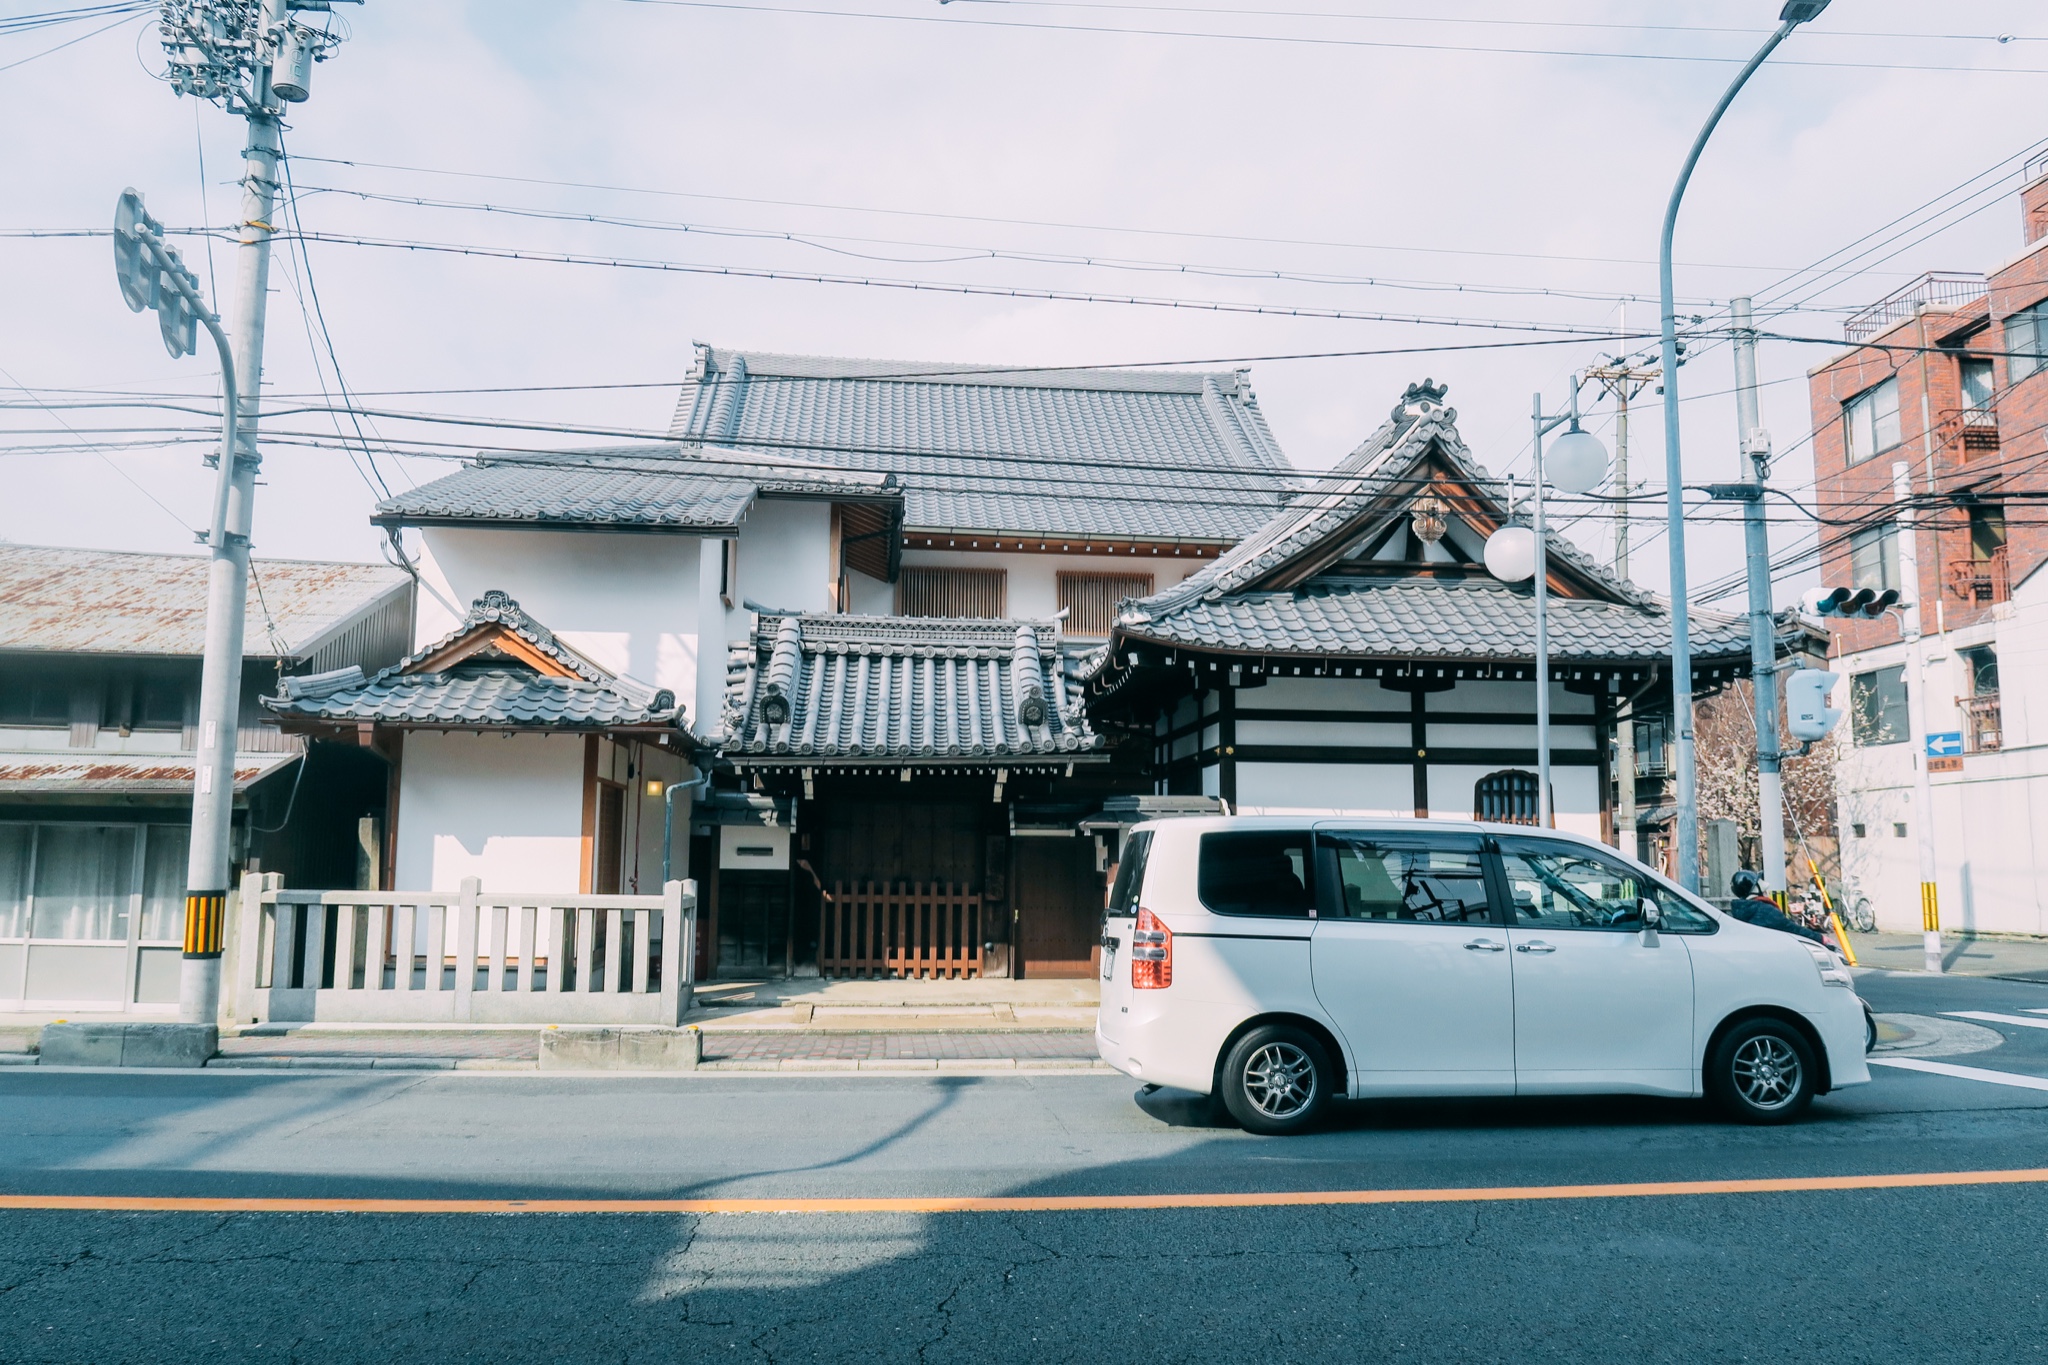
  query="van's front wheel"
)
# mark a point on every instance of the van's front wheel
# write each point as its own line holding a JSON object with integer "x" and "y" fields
{"x": 1276, "y": 1080}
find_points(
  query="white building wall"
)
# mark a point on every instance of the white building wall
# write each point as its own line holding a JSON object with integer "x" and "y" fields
{"x": 627, "y": 602}
{"x": 1990, "y": 819}
{"x": 507, "y": 809}
{"x": 1033, "y": 579}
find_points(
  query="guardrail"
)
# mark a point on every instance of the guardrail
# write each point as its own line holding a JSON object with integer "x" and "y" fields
{"x": 470, "y": 956}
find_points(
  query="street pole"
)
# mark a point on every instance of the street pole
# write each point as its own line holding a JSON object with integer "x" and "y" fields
{"x": 1763, "y": 638}
{"x": 1910, "y": 634}
{"x": 215, "y": 54}
{"x": 1543, "y": 811}
{"x": 1623, "y": 381}
{"x": 1686, "y": 832}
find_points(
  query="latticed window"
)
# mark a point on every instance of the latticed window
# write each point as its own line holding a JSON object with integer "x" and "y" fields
{"x": 1091, "y": 599}
{"x": 979, "y": 593}
{"x": 1505, "y": 798}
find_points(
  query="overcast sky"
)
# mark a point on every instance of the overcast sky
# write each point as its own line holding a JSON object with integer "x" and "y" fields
{"x": 1488, "y": 163}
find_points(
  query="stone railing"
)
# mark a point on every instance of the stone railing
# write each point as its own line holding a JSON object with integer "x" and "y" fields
{"x": 468, "y": 956}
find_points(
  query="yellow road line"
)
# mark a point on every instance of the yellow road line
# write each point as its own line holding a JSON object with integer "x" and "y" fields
{"x": 1075, "y": 1203}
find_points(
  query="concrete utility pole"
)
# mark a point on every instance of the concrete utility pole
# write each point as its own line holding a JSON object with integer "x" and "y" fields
{"x": 252, "y": 60}
{"x": 1763, "y": 636}
{"x": 1911, "y": 623}
{"x": 1623, "y": 382}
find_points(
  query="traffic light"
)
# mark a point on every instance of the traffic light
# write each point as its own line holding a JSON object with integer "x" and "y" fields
{"x": 1855, "y": 602}
{"x": 1807, "y": 713}
{"x": 153, "y": 275}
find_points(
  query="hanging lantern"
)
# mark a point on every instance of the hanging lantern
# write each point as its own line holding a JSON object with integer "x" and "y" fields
{"x": 1427, "y": 517}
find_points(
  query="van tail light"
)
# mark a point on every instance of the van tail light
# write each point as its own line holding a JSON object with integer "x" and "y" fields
{"x": 1151, "y": 954}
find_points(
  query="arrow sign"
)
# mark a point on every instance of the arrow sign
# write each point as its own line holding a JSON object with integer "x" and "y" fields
{"x": 1944, "y": 743}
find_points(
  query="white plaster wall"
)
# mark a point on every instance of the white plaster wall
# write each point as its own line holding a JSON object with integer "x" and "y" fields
{"x": 507, "y": 810}
{"x": 869, "y": 596}
{"x": 785, "y": 560}
{"x": 628, "y": 602}
{"x": 1355, "y": 788}
{"x": 1574, "y": 794}
{"x": 1034, "y": 578}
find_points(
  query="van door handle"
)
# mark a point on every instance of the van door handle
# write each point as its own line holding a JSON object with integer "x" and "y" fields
{"x": 1486, "y": 945}
{"x": 1535, "y": 945}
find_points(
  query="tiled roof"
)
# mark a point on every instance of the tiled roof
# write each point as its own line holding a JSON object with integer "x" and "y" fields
{"x": 673, "y": 487}
{"x": 485, "y": 689}
{"x": 1140, "y": 454}
{"x": 895, "y": 689}
{"x": 1262, "y": 598}
{"x": 1433, "y": 618}
{"x": 488, "y": 697}
{"x": 113, "y": 602}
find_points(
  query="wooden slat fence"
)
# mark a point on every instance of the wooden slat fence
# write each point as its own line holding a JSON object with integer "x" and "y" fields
{"x": 913, "y": 930}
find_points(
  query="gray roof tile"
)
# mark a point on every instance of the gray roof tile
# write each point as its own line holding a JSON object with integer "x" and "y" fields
{"x": 1078, "y": 452}
{"x": 893, "y": 689}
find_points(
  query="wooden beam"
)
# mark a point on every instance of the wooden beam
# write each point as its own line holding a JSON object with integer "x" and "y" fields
{"x": 589, "y": 844}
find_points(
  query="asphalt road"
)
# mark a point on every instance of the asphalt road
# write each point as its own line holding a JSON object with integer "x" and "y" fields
{"x": 1946, "y": 1273}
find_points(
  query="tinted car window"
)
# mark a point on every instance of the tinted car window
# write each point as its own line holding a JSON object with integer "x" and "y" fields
{"x": 1563, "y": 886}
{"x": 1435, "y": 882}
{"x": 1258, "y": 872}
{"x": 1130, "y": 875}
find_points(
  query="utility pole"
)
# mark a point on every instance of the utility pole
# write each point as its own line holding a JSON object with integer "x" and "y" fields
{"x": 1911, "y": 625}
{"x": 1623, "y": 382}
{"x": 1763, "y": 637}
{"x": 252, "y": 59}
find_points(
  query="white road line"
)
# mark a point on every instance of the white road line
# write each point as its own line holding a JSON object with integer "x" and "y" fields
{"x": 1988, "y": 1017}
{"x": 2037, "y": 1011}
{"x": 1963, "y": 1073}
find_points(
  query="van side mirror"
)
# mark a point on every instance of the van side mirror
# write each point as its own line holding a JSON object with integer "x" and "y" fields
{"x": 1653, "y": 915}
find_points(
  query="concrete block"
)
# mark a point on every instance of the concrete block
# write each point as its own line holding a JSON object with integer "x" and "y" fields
{"x": 176, "y": 1045}
{"x": 621, "y": 1049}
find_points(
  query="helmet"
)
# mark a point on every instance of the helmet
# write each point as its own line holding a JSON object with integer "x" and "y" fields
{"x": 1746, "y": 884}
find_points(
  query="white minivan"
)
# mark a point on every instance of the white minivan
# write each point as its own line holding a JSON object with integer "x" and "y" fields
{"x": 1280, "y": 962}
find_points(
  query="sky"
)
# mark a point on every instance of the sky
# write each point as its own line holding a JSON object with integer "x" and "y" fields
{"x": 1483, "y": 176}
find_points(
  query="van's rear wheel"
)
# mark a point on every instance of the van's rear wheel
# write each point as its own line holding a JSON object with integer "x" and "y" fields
{"x": 1276, "y": 1080}
{"x": 1763, "y": 1071}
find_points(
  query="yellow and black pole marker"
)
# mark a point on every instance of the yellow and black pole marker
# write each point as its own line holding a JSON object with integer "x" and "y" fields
{"x": 206, "y": 914}
{"x": 1828, "y": 904}
{"x": 1930, "y": 925}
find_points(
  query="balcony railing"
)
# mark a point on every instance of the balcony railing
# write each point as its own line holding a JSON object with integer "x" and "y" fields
{"x": 1982, "y": 731}
{"x": 1980, "y": 582}
{"x": 1970, "y": 429}
{"x": 1937, "y": 288}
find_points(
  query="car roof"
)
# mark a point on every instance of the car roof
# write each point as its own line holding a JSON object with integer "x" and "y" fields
{"x": 1323, "y": 819}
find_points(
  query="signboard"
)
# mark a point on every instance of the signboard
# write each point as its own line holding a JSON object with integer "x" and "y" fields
{"x": 1945, "y": 744}
{"x": 1944, "y": 765}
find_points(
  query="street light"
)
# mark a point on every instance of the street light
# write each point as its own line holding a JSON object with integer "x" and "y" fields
{"x": 1686, "y": 835}
{"x": 1578, "y": 464}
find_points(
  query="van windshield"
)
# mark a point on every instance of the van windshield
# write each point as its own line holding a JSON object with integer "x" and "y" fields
{"x": 1130, "y": 876}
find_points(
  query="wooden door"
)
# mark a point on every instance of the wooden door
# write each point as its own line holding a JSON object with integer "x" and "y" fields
{"x": 610, "y": 853}
{"x": 1058, "y": 894}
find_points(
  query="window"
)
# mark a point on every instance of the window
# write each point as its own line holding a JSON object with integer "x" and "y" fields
{"x": 1859, "y": 829}
{"x": 1899, "y": 830}
{"x": 977, "y": 593}
{"x": 1091, "y": 599}
{"x": 2026, "y": 338}
{"x": 1987, "y": 530}
{"x": 1877, "y": 706}
{"x": 1982, "y": 661}
{"x": 1442, "y": 882}
{"x": 80, "y": 882}
{"x": 729, "y": 573}
{"x": 1874, "y": 557}
{"x": 1507, "y": 797}
{"x": 37, "y": 701}
{"x": 1650, "y": 761}
{"x": 1130, "y": 875}
{"x": 1872, "y": 421}
{"x": 1555, "y": 886}
{"x": 1974, "y": 378}
{"x": 1257, "y": 872}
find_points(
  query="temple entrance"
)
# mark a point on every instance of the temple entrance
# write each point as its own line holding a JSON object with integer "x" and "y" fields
{"x": 1059, "y": 906}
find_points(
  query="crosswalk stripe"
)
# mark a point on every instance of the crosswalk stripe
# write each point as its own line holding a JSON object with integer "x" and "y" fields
{"x": 1963, "y": 1073}
{"x": 1990, "y": 1018}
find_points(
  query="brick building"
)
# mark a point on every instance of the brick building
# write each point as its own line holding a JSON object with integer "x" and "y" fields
{"x": 1931, "y": 460}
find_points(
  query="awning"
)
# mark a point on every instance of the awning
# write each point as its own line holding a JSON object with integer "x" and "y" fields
{"x": 57, "y": 773}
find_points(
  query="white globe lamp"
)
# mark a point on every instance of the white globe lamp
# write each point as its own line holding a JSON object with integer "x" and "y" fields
{"x": 1511, "y": 554}
{"x": 1576, "y": 462}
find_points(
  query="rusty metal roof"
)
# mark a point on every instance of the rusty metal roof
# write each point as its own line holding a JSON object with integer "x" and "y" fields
{"x": 56, "y": 772}
{"x": 115, "y": 602}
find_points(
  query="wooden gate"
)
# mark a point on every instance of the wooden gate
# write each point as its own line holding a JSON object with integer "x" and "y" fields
{"x": 923, "y": 930}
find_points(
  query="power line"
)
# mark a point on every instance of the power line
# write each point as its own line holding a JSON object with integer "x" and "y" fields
{"x": 1298, "y": 40}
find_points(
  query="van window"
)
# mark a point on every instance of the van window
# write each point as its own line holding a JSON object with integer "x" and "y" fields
{"x": 1433, "y": 882}
{"x": 1130, "y": 876}
{"x": 1258, "y": 872}
{"x": 1560, "y": 886}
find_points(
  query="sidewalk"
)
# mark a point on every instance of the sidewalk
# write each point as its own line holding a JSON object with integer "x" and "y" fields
{"x": 2011, "y": 957}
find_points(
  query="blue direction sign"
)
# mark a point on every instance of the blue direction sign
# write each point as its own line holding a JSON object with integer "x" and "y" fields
{"x": 1944, "y": 743}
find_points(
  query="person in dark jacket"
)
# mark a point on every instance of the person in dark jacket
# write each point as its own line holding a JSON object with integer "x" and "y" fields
{"x": 1751, "y": 907}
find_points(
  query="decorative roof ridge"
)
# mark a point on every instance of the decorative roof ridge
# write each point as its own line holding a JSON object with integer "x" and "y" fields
{"x": 716, "y": 363}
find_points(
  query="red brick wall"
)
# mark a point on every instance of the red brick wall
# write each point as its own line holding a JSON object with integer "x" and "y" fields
{"x": 2018, "y": 465}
